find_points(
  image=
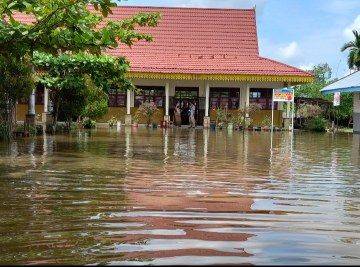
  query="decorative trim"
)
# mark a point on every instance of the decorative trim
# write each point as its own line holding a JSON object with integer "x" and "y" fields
{"x": 222, "y": 77}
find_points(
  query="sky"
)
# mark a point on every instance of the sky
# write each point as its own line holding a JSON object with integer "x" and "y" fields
{"x": 301, "y": 33}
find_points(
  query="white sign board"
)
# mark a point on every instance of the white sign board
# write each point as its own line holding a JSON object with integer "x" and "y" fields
{"x": 283, "y": 95}
{"x": 337, "y": 99}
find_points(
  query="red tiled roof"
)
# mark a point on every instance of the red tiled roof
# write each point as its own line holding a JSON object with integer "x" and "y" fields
{"x": 198, "y": 41}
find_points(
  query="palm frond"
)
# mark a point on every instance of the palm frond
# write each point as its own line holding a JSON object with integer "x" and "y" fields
{"x": 347, "y": 45}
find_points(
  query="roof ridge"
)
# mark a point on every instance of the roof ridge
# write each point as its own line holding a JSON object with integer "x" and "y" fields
{"x": 187, "y": 8}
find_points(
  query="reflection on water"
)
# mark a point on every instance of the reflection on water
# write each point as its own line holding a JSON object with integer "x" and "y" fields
{"x": 180, "y": 196}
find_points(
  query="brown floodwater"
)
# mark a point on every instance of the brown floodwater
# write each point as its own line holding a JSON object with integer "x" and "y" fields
{"x": 180, "y": 196}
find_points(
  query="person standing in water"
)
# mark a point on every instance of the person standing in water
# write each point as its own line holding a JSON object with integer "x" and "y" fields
{"x": 177, "y": 114}
{"x": 192, "y": 115}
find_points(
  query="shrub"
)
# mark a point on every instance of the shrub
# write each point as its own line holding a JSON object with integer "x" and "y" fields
{"x": 4, "y": 131}
{"x": 222, "y": 117}
{"x": 267, "y": 121}
{"x": 112, "y": 122}
{"x": 317, "y": 124}
{"x": 309, "y": 111}
{"x": 148, "y": 109}
{"x": 89, "y": 123}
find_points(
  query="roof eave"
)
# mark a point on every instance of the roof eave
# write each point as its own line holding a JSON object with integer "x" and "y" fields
{"x": 292, "y": 79}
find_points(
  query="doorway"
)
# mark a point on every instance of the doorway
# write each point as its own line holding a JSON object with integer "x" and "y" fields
{"x": 184, "y": 96}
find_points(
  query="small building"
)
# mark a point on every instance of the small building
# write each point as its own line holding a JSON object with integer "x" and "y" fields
{"x": 209, "y": 57}
{"x": 348, "y": 84}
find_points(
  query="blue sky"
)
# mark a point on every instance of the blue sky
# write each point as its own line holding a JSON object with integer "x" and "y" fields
{"x": 298, "y": 32}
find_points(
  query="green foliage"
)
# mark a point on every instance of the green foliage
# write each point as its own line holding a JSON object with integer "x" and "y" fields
{"x": 15, "y": 83}
{"x": 63, "y": 28}
{"x": 322, "y": 74}
{"x": 89, "y": 123}
{"x": 4, "y": 131}
{"x": 112, "y": 122}
{"x": 67, "y": 25}
{"x": 346, "y": 108}
{"x": 266, "y": 121}
{"x": 221, "y": 117}
{"x": 309, "y": 111}
{"x": 354, "y": 51}
{"x": 147, "y": 109}
{"x": 79, "y": 83}
{"x": 104, "y": 71}
{"x": 317, "y": 124}
{"x": 96, "y": 101}
{"x": 31, "y": 129}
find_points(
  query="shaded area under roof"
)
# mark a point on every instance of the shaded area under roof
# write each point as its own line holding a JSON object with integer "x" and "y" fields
{"x": 347, "y": 84}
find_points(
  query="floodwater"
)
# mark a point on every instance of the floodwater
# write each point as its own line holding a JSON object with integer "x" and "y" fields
{"x": 180, "y": 196}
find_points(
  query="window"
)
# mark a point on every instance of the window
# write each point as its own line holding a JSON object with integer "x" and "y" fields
{"x": 263, "y": 97}
{"x": 116, "y": 98}
{"x": 150, "y": 93}
{"x": 224, "y": 97}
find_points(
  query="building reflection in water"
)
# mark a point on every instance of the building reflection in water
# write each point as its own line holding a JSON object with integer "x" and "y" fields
{"x": 179, "y": 194}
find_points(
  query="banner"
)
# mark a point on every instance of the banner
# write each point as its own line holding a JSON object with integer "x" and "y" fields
{"x": 283, "y": 95}
{"x": 337, "y": 99}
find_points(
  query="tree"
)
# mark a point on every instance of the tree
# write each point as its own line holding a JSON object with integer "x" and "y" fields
{"x": 60, "y": 27}
{"x": 322, "y": 74}
{"x": 16, "y": 82}
{"x": 81, "y": 82}
{"x": 354, "y": 54}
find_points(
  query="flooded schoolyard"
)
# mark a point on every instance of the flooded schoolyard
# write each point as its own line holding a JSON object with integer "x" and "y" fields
{"x": 180, "y": 196}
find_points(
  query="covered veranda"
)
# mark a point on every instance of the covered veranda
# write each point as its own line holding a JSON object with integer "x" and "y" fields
{"x": 348, "y": 84}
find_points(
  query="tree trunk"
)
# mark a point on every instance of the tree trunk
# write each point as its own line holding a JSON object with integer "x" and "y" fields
{"x": 9, "y": 118}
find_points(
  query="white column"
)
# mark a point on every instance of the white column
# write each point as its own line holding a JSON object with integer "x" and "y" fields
{"x": 46, "y": 100}
{"x": 247, "y": 95}
{"x": 128, "y": 102}
{"x": 31, "y": 105}
{"x": 207, "y": 99}
{"x": 167, "y": 93}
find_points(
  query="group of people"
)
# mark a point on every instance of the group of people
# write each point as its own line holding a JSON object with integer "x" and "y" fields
{"x": 182, "y": 110}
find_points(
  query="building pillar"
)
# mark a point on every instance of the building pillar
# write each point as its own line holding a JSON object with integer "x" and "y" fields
{"x": 167, "y": 102}
{"x": 30, "y": 116}
{"x": 207, "y": 104}
{"x": 356, "y": 117}
{"x": 247, "y": 95}
{"x": 46, "y": 116}
{"x": 128, "y": 108}
{"x": 287, "y": 120}
{"x": 247, "y": 104}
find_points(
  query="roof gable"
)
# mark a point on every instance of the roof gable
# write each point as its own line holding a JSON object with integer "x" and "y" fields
{"x": 197, "y": 31}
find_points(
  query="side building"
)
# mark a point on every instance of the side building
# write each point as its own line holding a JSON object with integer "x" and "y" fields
{"x": 209, "y": 57}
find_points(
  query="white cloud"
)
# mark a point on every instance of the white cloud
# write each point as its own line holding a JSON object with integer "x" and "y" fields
{"x": 308, "y": 66}
{"x": 341, "y": 6}
{"x": 354, "y": 26}
{"x": 289, "y": 51}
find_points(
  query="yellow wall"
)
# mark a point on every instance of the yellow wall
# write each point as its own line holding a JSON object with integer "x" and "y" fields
{"x": 258, "y": 117}
{"x": 119, "y": 114}
{"x": 22, "y": 109}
